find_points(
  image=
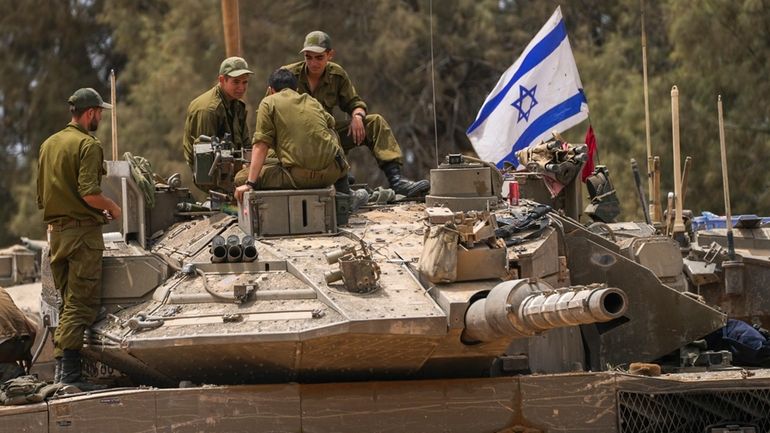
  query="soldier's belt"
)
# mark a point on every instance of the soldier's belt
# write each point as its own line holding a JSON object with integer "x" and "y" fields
{"x": 71, "y": 224}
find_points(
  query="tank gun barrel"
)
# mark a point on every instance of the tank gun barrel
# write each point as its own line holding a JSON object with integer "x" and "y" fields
{"x": 522, "y": 308}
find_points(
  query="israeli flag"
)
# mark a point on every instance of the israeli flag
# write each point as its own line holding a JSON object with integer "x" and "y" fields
{"x": 539, "y": 94}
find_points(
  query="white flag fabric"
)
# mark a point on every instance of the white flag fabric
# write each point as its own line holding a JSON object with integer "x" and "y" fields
{"x": 540, "y": 93}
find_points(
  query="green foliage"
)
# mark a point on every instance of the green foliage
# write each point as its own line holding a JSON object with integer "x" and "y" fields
{"x": 166, "y": 52}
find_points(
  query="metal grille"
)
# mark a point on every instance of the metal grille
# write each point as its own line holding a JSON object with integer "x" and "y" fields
{"x": 687, "y": 412}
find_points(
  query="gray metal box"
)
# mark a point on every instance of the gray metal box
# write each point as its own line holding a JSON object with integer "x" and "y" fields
{"x": 288, "y": 212}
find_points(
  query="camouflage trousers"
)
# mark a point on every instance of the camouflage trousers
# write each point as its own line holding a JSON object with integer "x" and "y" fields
{"x": 379, "y": 139}
{"x": 76, "y": 265}
{"x": 275, "y": 176}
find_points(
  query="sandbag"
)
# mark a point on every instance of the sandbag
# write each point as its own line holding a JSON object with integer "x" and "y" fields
{"x": 438, "y": 261}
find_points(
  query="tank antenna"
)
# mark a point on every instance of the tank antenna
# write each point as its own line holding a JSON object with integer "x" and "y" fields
{"x": 678, "y": 228}
{"x": 114, "y": 116}
{"x": 725, "y": 183}
{"x": 653, "y": 205}
{"x": 433, "y": 81}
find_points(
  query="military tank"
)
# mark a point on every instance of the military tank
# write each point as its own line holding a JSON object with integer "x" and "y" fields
{"x": 291, "y": 314}
{"x": 465, "y": 285}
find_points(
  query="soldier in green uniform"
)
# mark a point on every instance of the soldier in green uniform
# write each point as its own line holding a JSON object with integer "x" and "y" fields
{"x": 301, "y": 135}
{"x": 220, "y": 110}
{"x": 327, "y": 82}
{"x": 17, "y": 334}
{"x": 69, "y": 191}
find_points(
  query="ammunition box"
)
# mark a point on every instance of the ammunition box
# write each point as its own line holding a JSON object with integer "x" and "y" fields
{"x": 288, "y": 212}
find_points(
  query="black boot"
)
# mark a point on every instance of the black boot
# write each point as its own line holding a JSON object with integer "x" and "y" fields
{"x": 404, "y": 186}
{"x": 71, "y": 372}
{"x": 342, "y": 185}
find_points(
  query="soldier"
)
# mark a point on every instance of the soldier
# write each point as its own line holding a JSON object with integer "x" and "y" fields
{"x": 17, "y": 334}
{"x": 327, "y": 82}
{"x": 69, "y": 192}
{"x": 220, "y": 110}
{"x": 301, "y": 134}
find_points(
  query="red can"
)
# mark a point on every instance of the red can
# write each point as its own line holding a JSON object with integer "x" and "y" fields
{"x": 513, "y": 193}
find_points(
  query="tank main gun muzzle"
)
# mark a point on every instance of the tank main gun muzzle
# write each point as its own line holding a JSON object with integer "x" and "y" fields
{"x": 521, "y": 308}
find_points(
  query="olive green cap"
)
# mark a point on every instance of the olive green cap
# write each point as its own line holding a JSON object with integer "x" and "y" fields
{"x": 234, "y": 67}
{"x": 87, "y": 98}
{"x": 317, "y": 42}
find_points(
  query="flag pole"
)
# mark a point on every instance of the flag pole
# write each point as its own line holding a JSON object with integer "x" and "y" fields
{"x": 650, "y": 165}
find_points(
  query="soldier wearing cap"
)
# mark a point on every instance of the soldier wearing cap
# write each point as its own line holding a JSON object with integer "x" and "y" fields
{"x": 220, "y": 110}
{"x": 69, "y": 191}
{"x": 327, "y": 82}
{"x": 300, "y": 133}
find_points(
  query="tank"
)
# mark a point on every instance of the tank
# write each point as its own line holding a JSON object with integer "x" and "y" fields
{"x": 281, "y": 293}
{"x": 289, "y": 313}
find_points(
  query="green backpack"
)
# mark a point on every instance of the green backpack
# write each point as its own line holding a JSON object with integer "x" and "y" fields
{"x": 25, "y": 390}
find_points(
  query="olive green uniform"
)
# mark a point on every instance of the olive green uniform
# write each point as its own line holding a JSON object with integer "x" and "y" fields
{"x": 71, "y": 166}
{"x": 213, "y": 115}
{"x": 16, "y": 332}
{"x": 301, "y": 135}
{"x": 336, "y": 90}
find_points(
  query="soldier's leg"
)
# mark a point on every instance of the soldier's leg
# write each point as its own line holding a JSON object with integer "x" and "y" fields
{"x": 59, "y": 268}
{"x": 388, "y": 154}
{"x": 241, "y": 177}
{"x": 382, "y": 142}
{"x": 82, "y": 296}
{"x": 273, "y": 176}
{"x": 379, "y": 139}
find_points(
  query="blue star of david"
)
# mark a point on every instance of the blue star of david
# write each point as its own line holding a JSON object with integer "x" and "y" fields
{"x": 518, "y": 104}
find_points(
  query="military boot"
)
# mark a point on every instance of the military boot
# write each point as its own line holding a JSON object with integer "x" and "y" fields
{"x": 72, "y": 374}
{"x": 402, "y": 185}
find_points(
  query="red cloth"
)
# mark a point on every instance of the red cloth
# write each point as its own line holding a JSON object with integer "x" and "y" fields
{"x": 588, "y": 168}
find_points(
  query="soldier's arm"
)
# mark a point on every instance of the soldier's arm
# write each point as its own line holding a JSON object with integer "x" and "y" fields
{"x": 102, "y": 202}
{"x": 347, "y": 97}
{"x": 90, "y": 177}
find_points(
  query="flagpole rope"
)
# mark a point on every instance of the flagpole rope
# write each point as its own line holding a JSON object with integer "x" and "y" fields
{"x": 433, "y": 81}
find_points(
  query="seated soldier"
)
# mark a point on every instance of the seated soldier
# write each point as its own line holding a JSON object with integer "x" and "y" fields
{"x": 301, "y": 134}
{"x": 326, "y": 81}
{"x": 17, "y": 334}
{"x": 219, "y": 111}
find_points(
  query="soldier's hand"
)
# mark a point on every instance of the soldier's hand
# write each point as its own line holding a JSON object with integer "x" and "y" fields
{"x": 357, "y": 130}
{"x": 240, "y": 191}
{"x": 115, "y": 213}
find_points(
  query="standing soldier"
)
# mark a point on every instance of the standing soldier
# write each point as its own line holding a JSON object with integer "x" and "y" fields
{"x": 327, "y": 82}
{"x": 220, "y": 110}
{"x": 69, "y": 192}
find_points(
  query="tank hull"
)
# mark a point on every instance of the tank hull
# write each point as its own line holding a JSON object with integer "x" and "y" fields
{"x": 588, "y": 402}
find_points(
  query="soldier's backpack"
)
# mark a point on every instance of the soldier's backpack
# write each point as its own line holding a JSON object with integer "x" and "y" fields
{"x": 25, "y": 390}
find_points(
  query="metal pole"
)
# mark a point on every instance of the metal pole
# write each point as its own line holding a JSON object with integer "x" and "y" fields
{"x": 650, "y": 183}
{"x": 640, "y": 190}
{"x": 685, "y": 176}
{"x": 658, "y": 211}
{"x": 232, "y": 27}
{"x": 114, "y": 116}
{"x": 725, "y": 183}
{"x": 678, "y": 221}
